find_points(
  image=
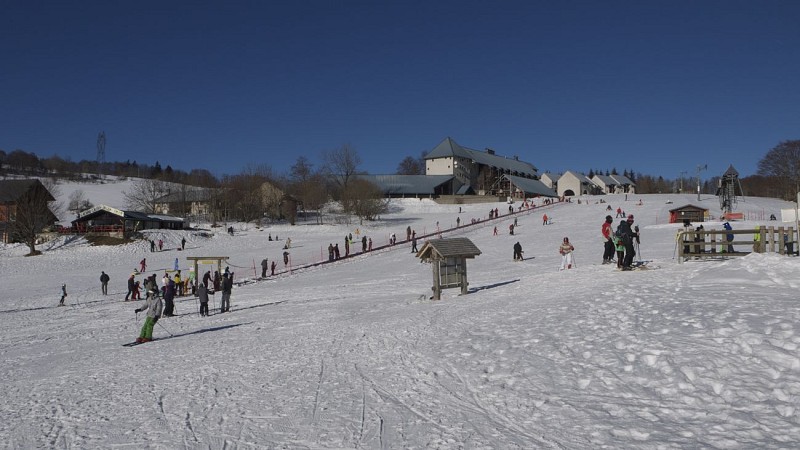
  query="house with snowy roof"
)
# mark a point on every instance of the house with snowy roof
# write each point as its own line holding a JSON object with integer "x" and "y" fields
{"x": 571, "y": 184}
{"x": 626, "y": 186}
{"x": 606, "y": 184}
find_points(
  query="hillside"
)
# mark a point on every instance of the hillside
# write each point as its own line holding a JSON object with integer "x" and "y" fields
{"x": 354, "y": 354}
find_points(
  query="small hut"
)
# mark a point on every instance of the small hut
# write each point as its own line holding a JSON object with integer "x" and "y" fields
{"x": 449, "y": 260}
{"x": 686, "y": 213}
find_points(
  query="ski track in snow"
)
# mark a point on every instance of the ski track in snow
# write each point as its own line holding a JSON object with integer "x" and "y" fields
{"x": 355, "y": 355}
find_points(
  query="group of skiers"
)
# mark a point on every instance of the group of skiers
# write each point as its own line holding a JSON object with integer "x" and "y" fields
{"x": 621, "y": 241}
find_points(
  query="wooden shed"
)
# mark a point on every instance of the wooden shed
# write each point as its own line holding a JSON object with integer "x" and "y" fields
{"x": 691, "y": 213}
{"x": 449, "y": 260}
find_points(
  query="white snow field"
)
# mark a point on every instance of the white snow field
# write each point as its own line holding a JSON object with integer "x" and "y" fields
{"x": 354, "y": 354}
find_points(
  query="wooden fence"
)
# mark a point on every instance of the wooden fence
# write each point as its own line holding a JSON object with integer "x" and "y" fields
{"x": 716, "y": 243}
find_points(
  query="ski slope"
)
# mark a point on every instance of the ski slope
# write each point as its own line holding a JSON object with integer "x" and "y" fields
{"x": 354, "y": 354}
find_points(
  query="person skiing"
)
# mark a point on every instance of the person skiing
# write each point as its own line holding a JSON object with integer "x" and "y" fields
{"x": 63, "y": 294}
{"x": 566, "y": 250}
{"x": 607, "y": 232}
{"x": 517, "y": 252}
{"x": 544, "y": 219}
{"x": 154, "y": 308}
{"x": 152, "y": 246}
{"x": 183, "y": 243}
{"x": 131, "y": 284}
{"x": 202, "y": 293}
{"x": 104, "y": 278}
{"x": 511, "y": 229}
{"x": 142, "y": 265}
{"x": 227, "y": 285}
{"x": 619, "y": 247}
{"x": 264, "y": 267}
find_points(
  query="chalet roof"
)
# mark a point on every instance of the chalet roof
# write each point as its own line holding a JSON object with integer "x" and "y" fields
{"x": 623, "y": 180}
{"x": 530, "y": 186}
{"x": 449, "y": 148}
{"x": 12, "y": 190}
{"x": 581, "y": 177}
{"x": 407, "y": 184}
{"x": 607, "y": 180}
{"x": 129, "y": 215}
{"x": 688, "y": 207}
{"x": 438, "y": 249}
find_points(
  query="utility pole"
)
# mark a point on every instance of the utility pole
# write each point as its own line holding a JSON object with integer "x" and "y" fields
{"x": 699, "y": 168}
{"x": 682, "y": 174}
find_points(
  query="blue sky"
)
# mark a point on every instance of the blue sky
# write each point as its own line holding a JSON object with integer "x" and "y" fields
{"x": 657, "y": 87}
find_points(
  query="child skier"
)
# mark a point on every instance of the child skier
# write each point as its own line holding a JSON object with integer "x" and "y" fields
{"x": 154, "y": 308}
{"x": 566, "y": 250}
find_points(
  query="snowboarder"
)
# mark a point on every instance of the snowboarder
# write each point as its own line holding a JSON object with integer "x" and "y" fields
{"x": 518, "y": 252}
{"x": 566, "y": 250}
{"x": 605, "y": 230}
{"x": 227, "y": 285}
{"x": 104, "y": 278}
{"x": 131, "y": 284}
{"x": 142, "y": 265}
{"x": 154, "y": 308}
{"x": 63, "y": 294}
{"x": 264, "y": 267}
{"x": 202, "y": 292}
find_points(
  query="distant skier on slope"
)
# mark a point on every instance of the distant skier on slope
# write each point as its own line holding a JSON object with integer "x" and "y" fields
{"x": 566, "y": 250}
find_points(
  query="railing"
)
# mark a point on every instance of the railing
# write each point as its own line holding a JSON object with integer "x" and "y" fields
{"x": 724, "y": 243}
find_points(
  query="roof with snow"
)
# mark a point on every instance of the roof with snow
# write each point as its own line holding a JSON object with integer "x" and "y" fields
{"x": 450, "y": 148}
{"x": 607, "y": 180}
{"x": 622, "y": 180}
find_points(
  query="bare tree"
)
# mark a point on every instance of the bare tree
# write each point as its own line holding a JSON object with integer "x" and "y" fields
{"x": 411, "y": 166}
{"x": 364, "y": 199}
{"x": 78, "y": 202}
{"x": 32, "y": 215}
{"x": 341, "y": 165}
{"x": 301, "y": 170}
{"x": 145, "y": 194}
{"x": 783, "y": 163}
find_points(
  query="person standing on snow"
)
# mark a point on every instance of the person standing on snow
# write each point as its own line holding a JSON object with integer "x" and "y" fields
{"x": 607, "y": 232}
{"x": 272, "y": 267}
{"x": 729, "y": 236}
{"x": 169, "y": 295}
{"x": 202, "y": 292}
{"x": 131, "y": 285}
{"x": 517, "y": 252}
{"x": 183, "y": 243}
{"x": 227, "y": 286}
{"x": 264, "y": 267}
{"x": 104, "y": 278}
{"x": 63, "y": 294}
{"x": 142, "y": 265}
{"x": 153, "y": 307}
{"x": 566, "y": 250}
{"x": 626, "y": 233}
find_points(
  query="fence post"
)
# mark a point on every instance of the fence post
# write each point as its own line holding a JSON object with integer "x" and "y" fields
{"x": 781, "y": 241}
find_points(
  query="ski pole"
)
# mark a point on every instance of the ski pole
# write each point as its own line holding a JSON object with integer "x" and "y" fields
{"x": 165, "y": 329}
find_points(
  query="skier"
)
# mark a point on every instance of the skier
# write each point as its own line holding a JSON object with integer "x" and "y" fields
{"x": 619, "y": 246}
{"x": 566, "y": 250}
{"x": 608, "y": 253}
{"x": 346, "y": 247}
{"x": 511, "y": 229}
{"x": 160, "y": 245}
{"x": 154, "y": 307}
{"x": 142, "y": 265}
{"x": 183, "y": 243}
{"x": 544, "y": 219}
{"x": 63, "y": 294}
{"x": 202, "y": 292}
{"x": 264, "y": 267}
{"x": 414, "y": 242}
{"x": 152, "y": 246}
{"x": 104, "y": 278}
{"x": 227, "y": 285}
{"x": 179, "y": 283}
{"x": 131, "y": 283}
{"x": 286, "y": 257}
{"x": 517, "y": 252}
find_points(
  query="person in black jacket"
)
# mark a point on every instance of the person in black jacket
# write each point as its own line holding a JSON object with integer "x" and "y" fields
{"x": 628, "y": 235}
{"x": 104, "y": 278}
{"x": 227, "y": 286}
{"x": 517, "y": 252}
{"x": 131, "y": 286}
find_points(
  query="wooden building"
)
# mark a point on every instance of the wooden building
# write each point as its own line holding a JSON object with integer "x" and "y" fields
{"x": 449, "y": 260}
{"x": 113, "y": 221}
{"x": 24, "y": 198}
{"x": 689, "y": 213}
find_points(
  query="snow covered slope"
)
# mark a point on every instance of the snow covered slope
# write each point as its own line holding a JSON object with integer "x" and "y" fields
{"x": 354, "y": 354}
